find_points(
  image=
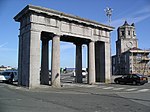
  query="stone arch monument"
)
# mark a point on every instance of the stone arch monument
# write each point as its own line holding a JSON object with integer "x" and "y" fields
{"x": 39, "y": 25}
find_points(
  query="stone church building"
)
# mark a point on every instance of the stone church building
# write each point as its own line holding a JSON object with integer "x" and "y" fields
{"x": 129, "y": 58}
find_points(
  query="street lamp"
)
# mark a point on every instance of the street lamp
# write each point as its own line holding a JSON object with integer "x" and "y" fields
{"x": 108, "y": 13}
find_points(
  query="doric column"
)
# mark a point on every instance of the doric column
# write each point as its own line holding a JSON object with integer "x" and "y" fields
{"x": 30, "y": 59}
{"x": 55, "y": 80}
{"x": 20, "y": 60}
{"x": 78, "y": 70}
{"x": 34, "y": 61}
{"x": 45, "y": 62}
{"x": 107, "y": 63}
{"x": 100, "y": 62}
{"x": 91, "y": 63}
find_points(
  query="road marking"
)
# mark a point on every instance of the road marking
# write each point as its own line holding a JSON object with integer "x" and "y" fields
{"x": 118, "y": 89}
{"x": 143, "y": 90}
{"x": 91, "y": 86}
{"x": 132, "y": 89}
{"x": 101, "y": 86}
{"x": 108, "y": 88}
{"x": 10, "y": 99}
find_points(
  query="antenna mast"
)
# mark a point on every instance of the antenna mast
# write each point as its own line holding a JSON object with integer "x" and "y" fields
{"x": 108, "y": 13}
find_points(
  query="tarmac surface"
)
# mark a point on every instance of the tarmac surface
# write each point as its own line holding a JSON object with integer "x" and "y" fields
{"x": 75, "y": 98}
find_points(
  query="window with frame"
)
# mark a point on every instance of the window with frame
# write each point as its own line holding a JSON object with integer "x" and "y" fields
{"x": 128, "y": 32}
{"x": 133, "y": 33}
{"x": 122, "y": 33}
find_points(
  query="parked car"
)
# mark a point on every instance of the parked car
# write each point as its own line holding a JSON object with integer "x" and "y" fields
{"x": 136, "y": 79}
{"x": 5, "y": 76}
{"x": 84, "y": 73}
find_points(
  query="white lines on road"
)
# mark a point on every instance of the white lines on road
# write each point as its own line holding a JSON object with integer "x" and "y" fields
{"x": 143, "y": 90}
{"x": 108, "y": 88}
{"x": 114, "y": 88}
{"x": 118, "y": 89}
{"x": 124, "y": 89}
{"x": 132, "y": 89}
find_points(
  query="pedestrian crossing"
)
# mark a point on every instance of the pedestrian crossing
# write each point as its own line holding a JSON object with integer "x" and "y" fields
{"x": 110, "y": 88}
{"x": 116, "y": 89}
{"x": 144, "y": 90}
{"x": 132, "y": 89}
{"x": 124, "y": 89}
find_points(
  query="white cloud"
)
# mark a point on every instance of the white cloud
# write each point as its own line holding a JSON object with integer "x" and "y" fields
{"x": 117, "y": 22}
{"x": 3, "y": 44}
{"x": 146, "y": 9}
{"x": 135, "y": 17}
{"x": 141, "y": 18}
{"x": 3, "y": 48}
{"x": 7, "y": 50}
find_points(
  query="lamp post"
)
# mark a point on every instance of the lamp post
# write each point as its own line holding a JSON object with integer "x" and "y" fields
{"x": 108, "y": 13}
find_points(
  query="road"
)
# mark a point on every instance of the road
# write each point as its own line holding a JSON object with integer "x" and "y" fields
{"x": 75, "y": 98}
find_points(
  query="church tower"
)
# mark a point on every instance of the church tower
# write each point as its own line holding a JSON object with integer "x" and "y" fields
{"x": 129, "y": 59}
{"x": 126, "y": 38}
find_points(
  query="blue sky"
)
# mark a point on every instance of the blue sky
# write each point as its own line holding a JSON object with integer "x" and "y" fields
{"x": 137, "y": 11}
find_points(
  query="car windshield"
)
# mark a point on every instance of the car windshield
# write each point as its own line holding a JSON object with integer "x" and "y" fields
{"x": 140, "y": 75}
{"x": 123, "y": 76}
{"x": 5, "y": 73}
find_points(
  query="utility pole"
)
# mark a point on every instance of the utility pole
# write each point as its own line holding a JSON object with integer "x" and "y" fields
{"x": 108, "y": 13}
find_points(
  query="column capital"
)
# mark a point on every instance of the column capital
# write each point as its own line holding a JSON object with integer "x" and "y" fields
{"x": 44, "y": 39}
{"x": 91, "y": 41}
{"x": 56, "y": 35}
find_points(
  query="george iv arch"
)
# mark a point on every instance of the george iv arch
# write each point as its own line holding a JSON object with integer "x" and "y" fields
{"x": 41, "y": 24}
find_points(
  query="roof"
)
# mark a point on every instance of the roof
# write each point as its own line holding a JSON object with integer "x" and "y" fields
{"x": 61, "y": 15}
{"x": 3, "y": 66}
{"x": 138, "y": 50}
{"x": 126, "y": 24}
{"x": 135, "y": 48}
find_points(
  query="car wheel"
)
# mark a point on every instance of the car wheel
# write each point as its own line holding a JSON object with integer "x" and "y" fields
{"x": 134, "y": 83}
{"x": 117, "y": 82}
{"x": 142, "y": 83}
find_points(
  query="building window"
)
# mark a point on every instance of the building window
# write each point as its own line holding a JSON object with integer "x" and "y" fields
{"x": 119, "y": 60}
{"x": 128, "y": 32}
{"x": 133, "y": 33}
{"x": 125, "y": 58}
{"x": 114, "y": 60}
{"x": 138, "y": 57}
{"x": 122, "y": 33}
